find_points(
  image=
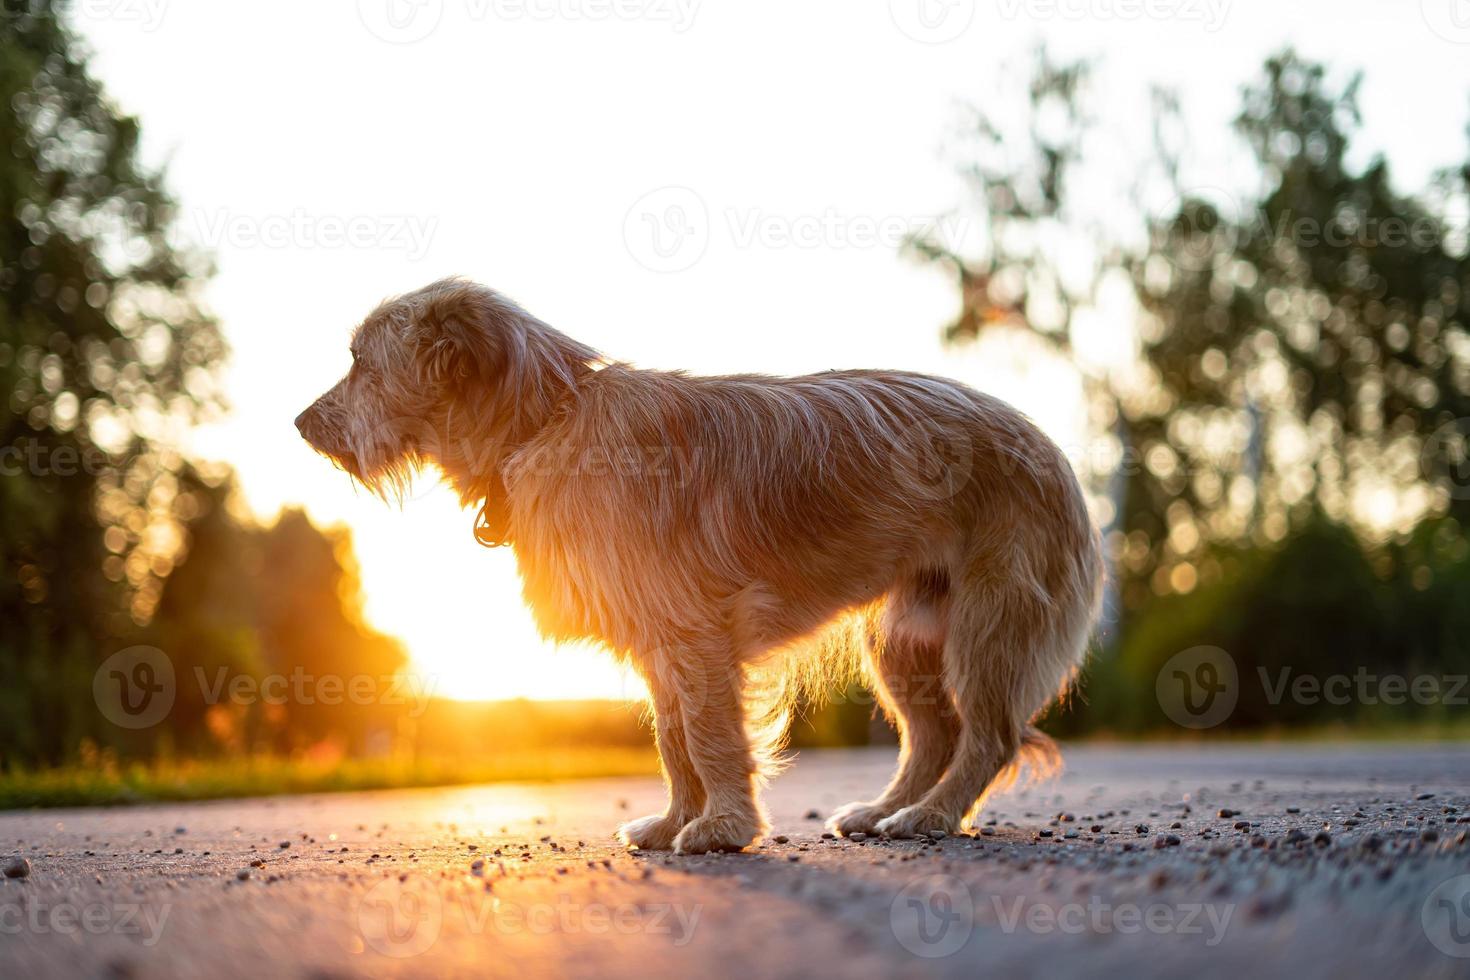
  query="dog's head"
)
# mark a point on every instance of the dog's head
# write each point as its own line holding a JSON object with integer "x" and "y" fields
{"x": 451, "y": 375}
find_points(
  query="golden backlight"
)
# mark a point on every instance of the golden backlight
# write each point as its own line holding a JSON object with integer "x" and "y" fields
{"x": 457, "y": 606}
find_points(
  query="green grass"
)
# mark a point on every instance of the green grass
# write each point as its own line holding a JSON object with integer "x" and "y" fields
{"x": 124, "y": 783}
{"x": 1386, "y": 731}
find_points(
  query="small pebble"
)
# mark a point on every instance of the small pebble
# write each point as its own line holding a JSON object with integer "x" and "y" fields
{"x": 17, "y": 867}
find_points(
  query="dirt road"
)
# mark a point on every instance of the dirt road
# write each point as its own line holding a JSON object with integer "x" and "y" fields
{"x": 1296, "y": 862}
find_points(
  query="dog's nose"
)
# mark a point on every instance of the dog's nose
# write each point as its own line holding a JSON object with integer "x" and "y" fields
{"x": 301, "y": 422}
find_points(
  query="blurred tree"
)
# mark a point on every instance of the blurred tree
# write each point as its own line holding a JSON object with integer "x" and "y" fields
{"x": 1307, "y": 352}
{"x": 106, "y": 358}
{"x": 105, "y": 355}
{"x": 1302, "y": 364}
{"x": 281, "y": 602}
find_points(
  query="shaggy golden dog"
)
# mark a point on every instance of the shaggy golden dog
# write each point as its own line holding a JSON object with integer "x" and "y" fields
{"x": 738, "y": 538}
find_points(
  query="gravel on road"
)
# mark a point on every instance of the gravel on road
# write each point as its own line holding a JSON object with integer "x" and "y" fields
{"x": 1292, "y": 861}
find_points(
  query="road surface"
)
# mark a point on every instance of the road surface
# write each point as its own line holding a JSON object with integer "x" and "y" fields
{"x": 1138, "y": 861}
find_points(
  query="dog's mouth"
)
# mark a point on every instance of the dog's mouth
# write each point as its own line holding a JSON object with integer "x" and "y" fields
{"x": 346, "y": 461}
{"x": 342, "y": 458}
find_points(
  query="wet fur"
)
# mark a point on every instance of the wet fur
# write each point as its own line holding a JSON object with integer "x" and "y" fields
{"x": 743, "y": 539}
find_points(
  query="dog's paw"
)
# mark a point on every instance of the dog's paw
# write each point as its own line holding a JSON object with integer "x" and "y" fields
{"x": 655, "y": 833}
{"x": 718, "y": 832}
{"x": 856, "y": 818}
{"x": 917, "y": 821}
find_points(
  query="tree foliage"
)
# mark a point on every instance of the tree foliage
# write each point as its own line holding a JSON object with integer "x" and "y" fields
{"x": 1284, "y": 450}
{"x": 107, "y": 357}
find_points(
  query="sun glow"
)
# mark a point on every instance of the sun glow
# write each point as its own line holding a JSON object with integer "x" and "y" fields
{"x": 526, "y": 220}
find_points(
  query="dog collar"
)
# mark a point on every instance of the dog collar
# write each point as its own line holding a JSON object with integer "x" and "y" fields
{"x": 489, "y": 532}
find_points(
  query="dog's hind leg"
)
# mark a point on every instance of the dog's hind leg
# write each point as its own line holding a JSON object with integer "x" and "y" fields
{"x": 686, "y": 792}
{"x": 1011, "y": 646}
{"x": 905, "y": 657}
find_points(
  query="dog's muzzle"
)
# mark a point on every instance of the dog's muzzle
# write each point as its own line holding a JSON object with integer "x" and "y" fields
{"x": 309, "y": 424}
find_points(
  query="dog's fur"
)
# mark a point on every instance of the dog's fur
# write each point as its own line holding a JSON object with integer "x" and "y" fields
{"x": 737, "y": 538}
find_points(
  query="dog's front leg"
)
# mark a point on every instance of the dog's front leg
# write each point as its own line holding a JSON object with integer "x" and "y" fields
{"x": 709, "y": 686}
{"x": 686, "y": 793}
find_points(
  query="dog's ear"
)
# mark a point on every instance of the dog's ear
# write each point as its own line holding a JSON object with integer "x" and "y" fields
{"x": 455, "y": 336}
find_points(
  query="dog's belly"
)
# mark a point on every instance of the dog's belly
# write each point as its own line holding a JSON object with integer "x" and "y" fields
{"x": 639, "y": 599}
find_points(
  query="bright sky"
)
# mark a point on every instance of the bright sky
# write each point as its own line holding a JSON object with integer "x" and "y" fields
{"x": 706, "y": 184}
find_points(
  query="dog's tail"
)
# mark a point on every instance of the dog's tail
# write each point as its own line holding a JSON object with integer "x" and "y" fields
{"x": 1036, "y": 760}
{"x": 770, "y": 701}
